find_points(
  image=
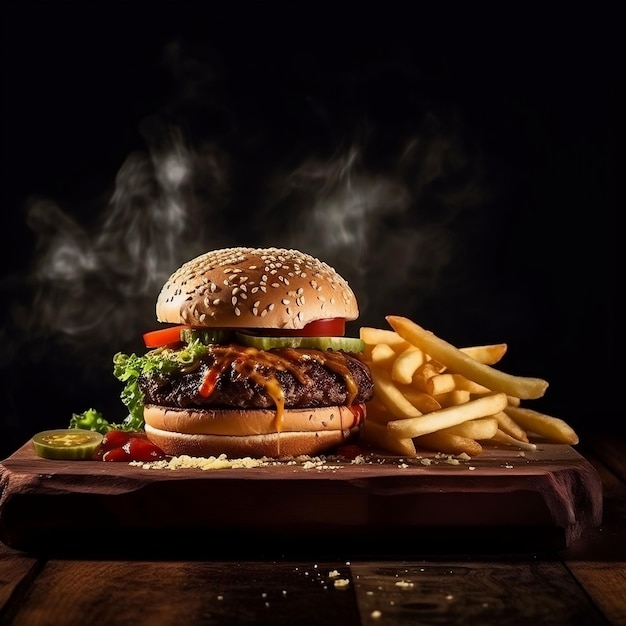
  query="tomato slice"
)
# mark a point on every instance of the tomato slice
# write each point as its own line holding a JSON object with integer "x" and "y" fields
{"x": 67, "y": 443}
{"x": 163, "y": 336}
{"x": 330, "y": 327}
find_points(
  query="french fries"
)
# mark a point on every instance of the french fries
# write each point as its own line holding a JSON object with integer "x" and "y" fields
{"x": 462, "y": 363}
{"x": 450, "y": 416}
{"x": 551, "y": 428}
{"x": 430, "y": 394}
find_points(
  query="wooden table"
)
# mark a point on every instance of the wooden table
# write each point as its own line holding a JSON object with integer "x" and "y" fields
{"x": 335, "y": 584}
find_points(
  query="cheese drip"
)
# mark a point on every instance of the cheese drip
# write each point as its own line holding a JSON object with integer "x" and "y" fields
{"x": 249, "y": 362}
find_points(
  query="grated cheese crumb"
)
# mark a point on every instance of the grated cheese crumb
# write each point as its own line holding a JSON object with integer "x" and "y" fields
{"x": 404, "y": 584}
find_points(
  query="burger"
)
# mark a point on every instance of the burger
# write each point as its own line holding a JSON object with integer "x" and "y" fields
{"x": 252, "y": 359}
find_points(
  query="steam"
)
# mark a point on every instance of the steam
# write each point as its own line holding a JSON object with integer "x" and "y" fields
{"x": 98, "y": 283}
{"x": 388, "y": 225}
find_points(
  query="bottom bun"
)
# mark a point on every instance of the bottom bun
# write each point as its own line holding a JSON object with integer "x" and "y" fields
{"x": 275, "y": 445}
{"x": 252, "y": 421}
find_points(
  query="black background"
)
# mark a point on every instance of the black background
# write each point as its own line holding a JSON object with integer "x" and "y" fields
{"x": 483, "y": 138}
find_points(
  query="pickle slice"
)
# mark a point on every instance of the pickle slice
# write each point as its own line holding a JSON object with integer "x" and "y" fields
{"x": 67, "y": 443}
{"x": 206, "y": 336}
{"x": 347, "y": 344}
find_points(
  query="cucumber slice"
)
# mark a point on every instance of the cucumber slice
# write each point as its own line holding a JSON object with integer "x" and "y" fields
{"x": 67, "y": 443}
{"x": 206, "y": 336}
{"x": 347, "y": 344}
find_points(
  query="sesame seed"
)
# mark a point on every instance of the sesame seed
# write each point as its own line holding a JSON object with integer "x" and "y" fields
{"x": 237, "y": 311}
{"x": 285, "y": 301}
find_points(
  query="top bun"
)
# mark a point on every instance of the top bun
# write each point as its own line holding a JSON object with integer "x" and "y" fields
{"x": 255, "y": 288}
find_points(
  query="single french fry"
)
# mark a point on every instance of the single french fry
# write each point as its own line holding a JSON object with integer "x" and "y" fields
{"x": 502, "y": 437}
{"x": 448, "y": 443}
{"x": 451, "y": 398}
{"x": 373, "y": 336}
{"x": 419, "y": 399}
{"x": 508, "y": 425}
{"x": 383, "y": 355}
{"x": 440, "y": 383}
{"x": 461, "y": 363}
{"x": 482, "y": 428}
{"x": 489, "y": 355}
{"x": 405, "y": 365}
{"x": 552, "y": 428}
{"x": 389, "y": 394}
{"x": 450, "y": 416}
{"x": 461, "y": 382}
{"x": 379, "y": 436}
{"x": 513, "y": 401}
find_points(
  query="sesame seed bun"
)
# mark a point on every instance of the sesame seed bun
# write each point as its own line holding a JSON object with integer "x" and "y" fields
{"x": 255, "y": 288}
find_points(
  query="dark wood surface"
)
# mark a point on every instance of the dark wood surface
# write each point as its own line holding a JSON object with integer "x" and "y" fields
{"x": 584, "y": 583}
{"x": 537, "y": 499}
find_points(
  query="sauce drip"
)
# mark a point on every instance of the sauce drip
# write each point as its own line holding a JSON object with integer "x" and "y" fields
{"x": 249, "y": 362}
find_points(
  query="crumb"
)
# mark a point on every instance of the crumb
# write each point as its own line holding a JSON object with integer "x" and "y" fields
{"x": 404, "y": 583}
{"x": 341, "y": 583}
{"x": 376, "y": 614}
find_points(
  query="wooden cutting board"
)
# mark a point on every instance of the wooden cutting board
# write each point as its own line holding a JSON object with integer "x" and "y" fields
{"x": 503, "y": 500}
